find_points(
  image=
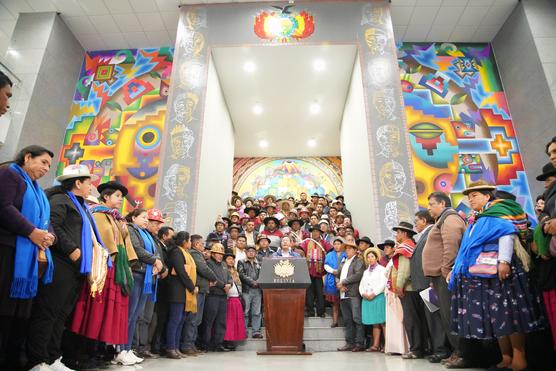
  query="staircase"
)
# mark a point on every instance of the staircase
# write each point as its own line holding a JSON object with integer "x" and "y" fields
{"x": 318, "y": 336}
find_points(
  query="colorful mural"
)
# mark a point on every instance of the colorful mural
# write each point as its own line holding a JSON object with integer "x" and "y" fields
{"x": 285, "y": 177}
{"x": 284, "y": 26}
{"x": 458, "y": 121}
{"x": 117, "y": 118}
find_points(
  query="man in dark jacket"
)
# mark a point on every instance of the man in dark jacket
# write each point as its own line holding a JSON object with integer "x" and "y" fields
{"x": 214, "y": 317}
{"x": 204, "y": 276}
{"x": 265, "y": 251}
{"x": 249, "y": 270}
{"x": 347, "y": 281}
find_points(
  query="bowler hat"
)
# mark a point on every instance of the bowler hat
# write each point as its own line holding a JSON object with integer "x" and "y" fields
{"x": 548, "y": 170}
{"x": 386, "y": 243}
{"x": 365, "y": 239}
{"x": 117, "y": 186}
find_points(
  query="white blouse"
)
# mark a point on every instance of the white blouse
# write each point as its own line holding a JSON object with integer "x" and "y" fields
{"x": 373, "y": 282}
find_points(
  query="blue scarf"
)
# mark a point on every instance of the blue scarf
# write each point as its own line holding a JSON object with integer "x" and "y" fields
{"x": 150, "y": 247}
{"x": 333, "y": 261}
{"x": 36, "y": 209}
{"x": 86, "y": 236}
{"x": 486, "y": 230}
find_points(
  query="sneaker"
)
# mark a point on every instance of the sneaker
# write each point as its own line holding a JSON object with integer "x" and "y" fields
{"x": 134, "y": 356}
{"x": 41, "y": 367}
{"x": 59, "y": 366}
{"x": 123, "y": 359}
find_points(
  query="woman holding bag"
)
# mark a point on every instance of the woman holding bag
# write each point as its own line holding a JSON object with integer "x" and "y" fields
{"x": 25, "y": 236}
{"x": 74, "y": 260}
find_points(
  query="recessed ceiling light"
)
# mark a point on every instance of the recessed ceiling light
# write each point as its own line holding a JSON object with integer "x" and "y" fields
{"x": 263, "y": 143}
{"x": 249, "y": 67}
{"x": 312, "y": 142}
{"x": 314, "y": 108}
{"x": 319, "y": 65}
{"x": 257, "y": 109}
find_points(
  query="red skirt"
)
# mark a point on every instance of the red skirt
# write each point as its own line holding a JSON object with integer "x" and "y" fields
{"x": 104, "y": 317}
{"x": 550, "y": 305}
{"x": 235, "y": 325}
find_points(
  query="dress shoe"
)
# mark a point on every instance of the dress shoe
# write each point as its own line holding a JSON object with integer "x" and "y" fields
{"x": 189, "y": 352}
{"x": 437, "y": 358}
{"x": 172, "y": 354}
{"x": 220, "y": 348}
{"x": 358, "y": 349}
{"x": 257, "y": 336}
{"x": 182, "y": 355}
{"x": 346, "y": 348}
{"x": 449, "y": 359}
{"x": 412, "y": 355}
{"x": 457, "y": 362}
{"x": 148, "y": 354}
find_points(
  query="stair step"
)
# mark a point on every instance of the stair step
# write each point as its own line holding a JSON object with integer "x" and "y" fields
{"x": 318, "y": 322}
{"x": 311, "y": 345}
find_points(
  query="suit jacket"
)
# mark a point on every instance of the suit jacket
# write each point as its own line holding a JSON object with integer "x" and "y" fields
{"x": 355, "y": 273}
{"x": 418, "y": 280}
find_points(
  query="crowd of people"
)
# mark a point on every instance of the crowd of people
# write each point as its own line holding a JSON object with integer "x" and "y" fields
{"x": 82, "y": 286}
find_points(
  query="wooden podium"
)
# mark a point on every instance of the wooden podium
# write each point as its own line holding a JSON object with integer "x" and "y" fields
{"x": 284, "y": 282}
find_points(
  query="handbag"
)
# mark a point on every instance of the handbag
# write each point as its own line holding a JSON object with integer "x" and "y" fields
{"x": 99, "y": 267}
{"x": 486, "y": 264}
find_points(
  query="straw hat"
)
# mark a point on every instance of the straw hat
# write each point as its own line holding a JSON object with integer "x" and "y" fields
{"x": 376, "y": 250}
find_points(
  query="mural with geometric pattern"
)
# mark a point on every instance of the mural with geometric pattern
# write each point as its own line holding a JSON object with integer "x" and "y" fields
{"x": 117, "y": 118}
{"x": 459, "y": 124}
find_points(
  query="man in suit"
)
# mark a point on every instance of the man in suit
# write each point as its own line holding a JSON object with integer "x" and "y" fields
{"x": 349, "y": 276}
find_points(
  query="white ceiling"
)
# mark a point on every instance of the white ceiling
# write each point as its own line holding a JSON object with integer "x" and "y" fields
{"x": 286, "y": 84}
{"x": 114, "y": 24}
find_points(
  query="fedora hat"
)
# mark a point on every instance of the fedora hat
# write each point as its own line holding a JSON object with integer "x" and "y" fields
{"x": 365, "y": 239}
{"x": 349, "y": 245}
{"x": 290, "y": 223}
{"x": 315, "y": 228}
{"x": 479, "y": 185}
{"x": 548, "y": 170}
{"x": 386, "y": 243}
{"x": 261, "y": 236}
{"x": 228, "y": 252}
{"x": 376, "y": 250}
{"x": 113, "y": 185}
{"x": 282, "y": 202}
{"x": 404, "y": 226}
{"x": 339, "y": 239}
{"x": 213, "y": 237}
{"x": 217, "y": 248}
{"x": 74, "y": 171}
{"x": 234, "y": 226}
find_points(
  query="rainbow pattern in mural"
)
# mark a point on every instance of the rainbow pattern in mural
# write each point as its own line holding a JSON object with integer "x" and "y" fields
{"x": 459, "y": 124}
{"x": 117, "y": 118}
{"x": 285, "y": 25}
{"x": 285, "y": 177}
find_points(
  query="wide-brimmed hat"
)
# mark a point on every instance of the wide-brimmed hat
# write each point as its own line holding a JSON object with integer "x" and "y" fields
{"x": 228, "y": 252}
{"x": 548, "y": 170}
{"x": 304, "y": 210}
{"x": 479, "y": 185}
{"x": 404, "y": 226}
{"x": 234, "y": 226}
{"x": 338, "y": 238}
{"x": 271, "y": 197}
{"x": 213, "y": 237}
{"x": 376, "y": 250}
{"x": 269, "y": 218}
{"x": 113, "y": 185}
{"x": 155, "y": 215}
{"x": 74, "y": 171}
{"x": 315, "y": 228}
{"x": 352, "y": 246}
{"x": 290, "y": 223}
{"x": 217, "y": 248}
{"x": 248, "y": 209}
{"x": 235, "y": 213}
{"x": 261, "y": 236}
{"x": 386, "y": 243}
{"x": 340, "y": 196}
{"x": 282, "y": 202}
{"x": 365, "y": 239}
{"x": 315, "y": 195}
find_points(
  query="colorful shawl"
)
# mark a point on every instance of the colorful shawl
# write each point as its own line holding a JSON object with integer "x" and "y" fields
{"x": 315, "y": 257}
{"x": 333, "y": 261}
{"x": 406, "y": 249}
{"x": 499, "y": 218}
{"x": 36, "y": 209}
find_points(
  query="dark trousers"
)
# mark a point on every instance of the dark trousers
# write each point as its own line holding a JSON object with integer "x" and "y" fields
{"x": 439, "y": 342}
{"x": 176, "y": 316}
{"x": 315, "y": 293}
{"x": 214, "y": 320}
{"x": 143, "y": 336}
{"x": 351, "y": 313}
{"x": 54, "y": 303}
{"x": 12, "y": 337}
{"x": 414, "y": 321}
{"x": 444, "y": 302}
{"x": 188, "y": 332}
{"x": 161, "y": 314}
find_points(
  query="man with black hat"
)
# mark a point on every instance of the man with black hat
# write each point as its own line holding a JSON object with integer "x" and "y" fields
{"x": 272, "y": 232}
{"x": 214, "y": 317}
{"x": 413, "y": 314}
{"x": 315, "y": 249}
{"x": 249, "y": 270}
{"x": 220, "y": 231}
{"x": 387, "y": 248}
{"x": 314, "y": 200}
{"x": 297, "y": 234}
{"x": 264, "y": 250}
{"x": 233, "y": 232}
{"x": 363, "y": 244}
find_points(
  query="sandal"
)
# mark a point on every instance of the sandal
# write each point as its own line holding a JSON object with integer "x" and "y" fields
{"x": 373, "y": 349}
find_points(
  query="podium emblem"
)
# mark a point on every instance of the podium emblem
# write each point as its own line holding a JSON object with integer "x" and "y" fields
{"x": 284, "y": 268}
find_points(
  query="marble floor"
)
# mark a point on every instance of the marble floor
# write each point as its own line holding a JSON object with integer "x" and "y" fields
{"x": 250, "y": 361}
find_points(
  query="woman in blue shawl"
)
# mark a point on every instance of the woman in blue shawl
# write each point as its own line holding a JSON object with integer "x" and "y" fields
{"x": 491, "y": 293}
{"x": 25, "y": 232}
{"x": 331, "y": 264}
